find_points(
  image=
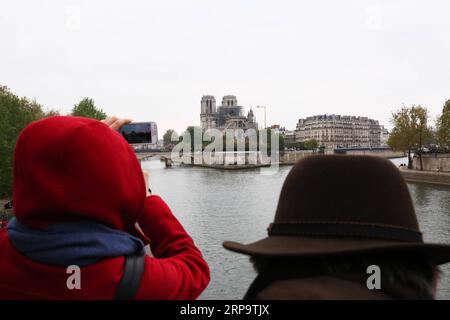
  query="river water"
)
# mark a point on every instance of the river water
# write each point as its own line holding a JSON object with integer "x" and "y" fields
{"x": 217, "y": 205}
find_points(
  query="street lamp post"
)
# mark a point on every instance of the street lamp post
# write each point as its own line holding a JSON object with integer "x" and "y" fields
{"x": 263, "y": 107}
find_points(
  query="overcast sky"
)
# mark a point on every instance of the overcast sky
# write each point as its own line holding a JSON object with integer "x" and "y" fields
{"x": 153, "y": 60}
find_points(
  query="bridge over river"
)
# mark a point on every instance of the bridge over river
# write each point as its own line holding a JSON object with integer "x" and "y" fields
{"x": 164, "y": 156}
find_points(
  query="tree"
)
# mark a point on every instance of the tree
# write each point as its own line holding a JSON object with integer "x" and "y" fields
{"x": 86, "y": 108}
{"x": 167, "y": 137}
{"x": 297, "y": 145}
{"x": 15, "y": 114}
{"x": 410, "y": 132}
{"x": 52, "y": 113}
{"x": 282, "y": 143}
{"x": 311, "y": 144}
{"x": 443, "y": 127}
{"x": 401, "y": 135}
{"x": 194, "y": 134}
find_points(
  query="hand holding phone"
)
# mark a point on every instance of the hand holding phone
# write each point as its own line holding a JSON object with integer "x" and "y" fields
{"x": 116, "y": 123}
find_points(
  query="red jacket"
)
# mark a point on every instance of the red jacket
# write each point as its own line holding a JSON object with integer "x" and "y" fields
{"x": 69, "y": 169}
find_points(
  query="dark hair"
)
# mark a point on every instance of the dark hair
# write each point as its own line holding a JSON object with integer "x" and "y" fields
{"x": 398, "y": 271}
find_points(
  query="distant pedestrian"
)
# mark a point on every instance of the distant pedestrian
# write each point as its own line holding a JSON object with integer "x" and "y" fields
{"x": 345, "y": 228}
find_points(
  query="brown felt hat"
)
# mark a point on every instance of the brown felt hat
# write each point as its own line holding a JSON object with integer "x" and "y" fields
{"x": 337, "y": 204}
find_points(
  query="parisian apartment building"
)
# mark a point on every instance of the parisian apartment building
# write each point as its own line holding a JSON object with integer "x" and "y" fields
{"x": 336, "y": 131}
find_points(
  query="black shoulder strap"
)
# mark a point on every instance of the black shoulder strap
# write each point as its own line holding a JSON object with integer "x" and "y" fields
{"x": 131, "y": 279}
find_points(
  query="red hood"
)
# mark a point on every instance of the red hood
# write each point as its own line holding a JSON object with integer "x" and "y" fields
{"x": 73, "y": 168}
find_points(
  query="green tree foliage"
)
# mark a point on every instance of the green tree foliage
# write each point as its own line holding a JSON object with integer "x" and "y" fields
{"x": 52, "y": 113}
{"x": 167, "y": 137}
{"x": 443, "y": 128}
{"x": 15, "y": 114}
{"x": 282, "y": 144}
{"x": 311, "y": 144}
{"x": 192, "y": 132}
{"x": 295, "y": 145}
{"x": 86, "y": 108}
{"x": 410, "y": 132}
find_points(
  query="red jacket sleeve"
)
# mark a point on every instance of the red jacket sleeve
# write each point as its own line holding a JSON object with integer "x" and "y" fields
{"x": 177, "y": 270}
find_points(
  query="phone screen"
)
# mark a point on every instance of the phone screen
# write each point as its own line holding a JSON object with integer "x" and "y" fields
{"x": 136, "y": 133}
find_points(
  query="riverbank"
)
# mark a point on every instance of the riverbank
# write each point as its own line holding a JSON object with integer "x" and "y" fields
{"x": 386, "y": 154}
{"x": 288, "y": 158}
{"x": 429, "y": 177}
{"x": 433, "y": 162}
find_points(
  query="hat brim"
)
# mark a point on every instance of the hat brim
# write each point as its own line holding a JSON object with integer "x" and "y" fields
{"x": 297, "y": 246}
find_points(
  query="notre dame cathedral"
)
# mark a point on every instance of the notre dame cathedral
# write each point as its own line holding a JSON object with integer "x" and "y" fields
{"x": 229, "y": 115}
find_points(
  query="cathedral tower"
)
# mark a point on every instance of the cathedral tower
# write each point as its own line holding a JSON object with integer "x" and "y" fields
{"x": 229, "y": 101}
{"x": 208, "y": 115}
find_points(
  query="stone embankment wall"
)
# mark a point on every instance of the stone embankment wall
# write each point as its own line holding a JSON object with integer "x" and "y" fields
{"x": 384, "y": 153}
{"x": 290, "y": 157}
{"x": 432, "y": 177}
{"x": 439, "y": 162}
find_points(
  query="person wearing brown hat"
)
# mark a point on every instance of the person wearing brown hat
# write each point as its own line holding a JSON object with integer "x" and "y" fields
{"x": 341, "y": 222}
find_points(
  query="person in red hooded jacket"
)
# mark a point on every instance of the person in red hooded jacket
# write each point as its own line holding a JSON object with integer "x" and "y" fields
{"x": 80, "y": 198}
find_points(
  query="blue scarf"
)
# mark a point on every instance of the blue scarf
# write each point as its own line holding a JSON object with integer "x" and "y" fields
{"x": 77, "y": 243}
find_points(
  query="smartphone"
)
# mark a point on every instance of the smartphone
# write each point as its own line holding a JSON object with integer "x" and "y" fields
{"x": 138, "y": 132}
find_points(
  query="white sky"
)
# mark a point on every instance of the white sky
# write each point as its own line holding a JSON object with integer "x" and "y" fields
{"x": 153, "y": 60}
